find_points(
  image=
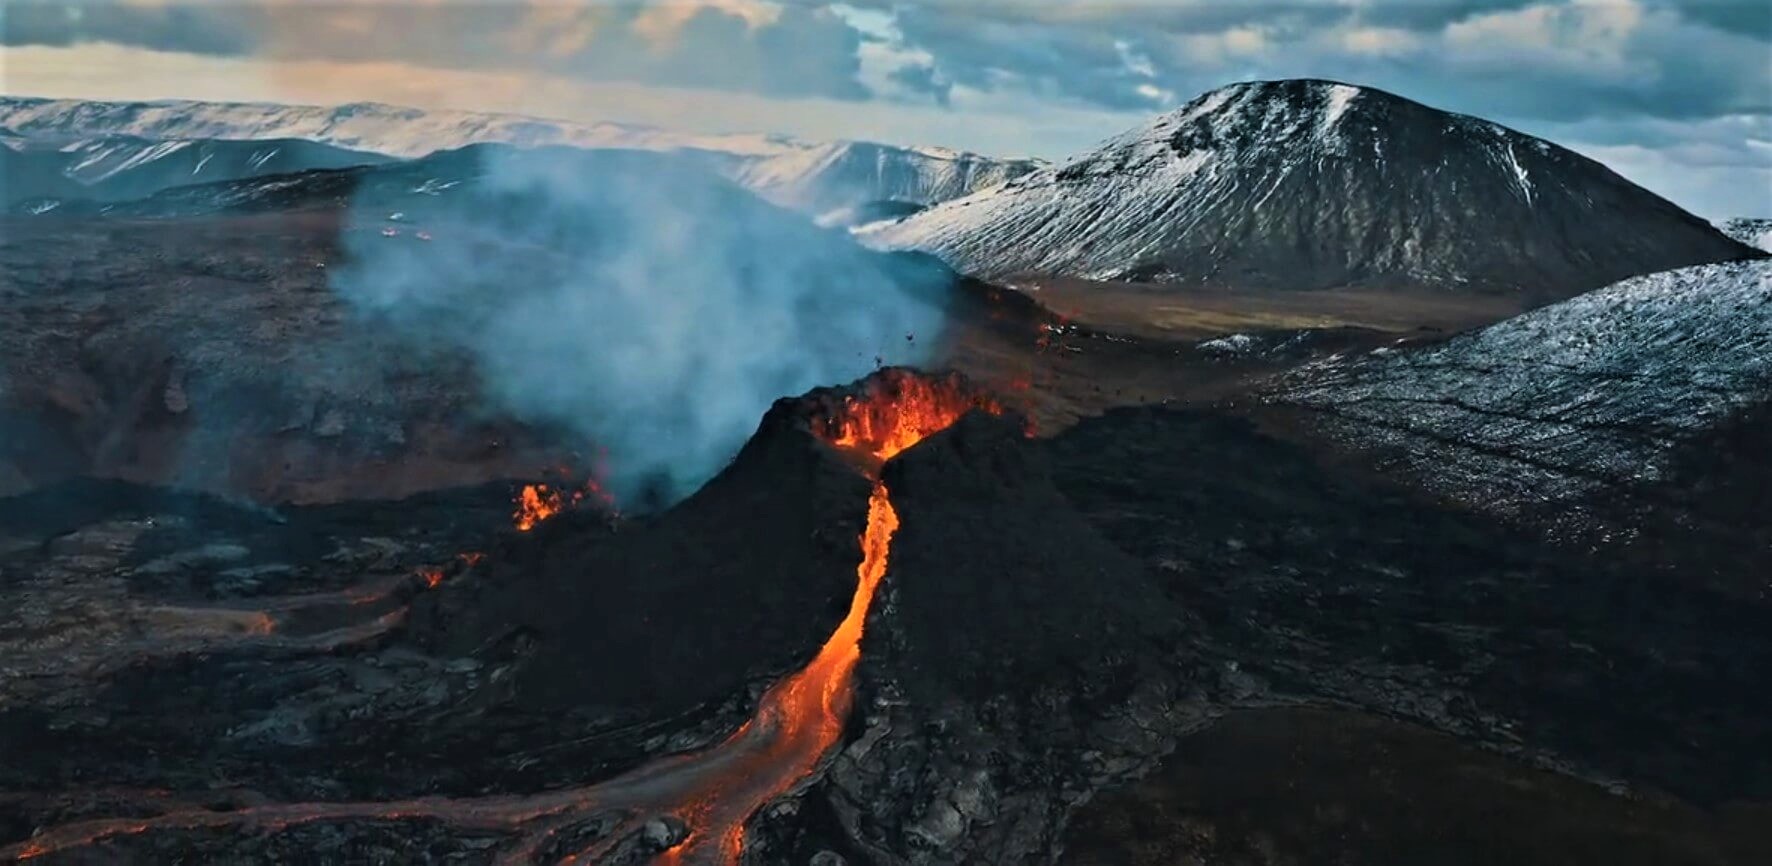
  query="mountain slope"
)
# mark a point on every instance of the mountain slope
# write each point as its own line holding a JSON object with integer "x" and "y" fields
{"x": 1313, "y": 185}
{"x": 810, "y": 175}
{"x": 118, "y": 168}
{"x": 1586, "y": 396}
{"x": 1753, "y": 231}
{"x": 850, "y": 173}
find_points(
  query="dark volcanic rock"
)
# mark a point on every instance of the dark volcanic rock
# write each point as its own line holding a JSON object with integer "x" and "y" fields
{"x": 1318, "y": 583}
{"x": 1014, "y": 662}
{"x": 1317, "y": 185}
{"x": 995, "y": 585}
{"x": 737, "y": 584}
{"x": 1289, "y": 786}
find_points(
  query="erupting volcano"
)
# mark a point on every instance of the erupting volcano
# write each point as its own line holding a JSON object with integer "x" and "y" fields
{"x": 801, "y": 718}
{"x": 713, "y": 793}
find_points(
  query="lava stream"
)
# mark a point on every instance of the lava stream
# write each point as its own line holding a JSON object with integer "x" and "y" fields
{"x": 715, "y": 792}
{"x": 798, "y": 720}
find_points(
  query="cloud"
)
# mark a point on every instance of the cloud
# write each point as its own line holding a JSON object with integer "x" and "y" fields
{"x": 187, "y": 29}
{"x": 787, "y": 50}
{"x": 1752, "y": 19}
{"x": 1550, "y": 59}
{"x": 951, "y": 67}
{"x": 919, "y": 78}
{"x": 1544, "y": 59}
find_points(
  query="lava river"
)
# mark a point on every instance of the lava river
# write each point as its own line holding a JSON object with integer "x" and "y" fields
{"x": 715, "y": 792}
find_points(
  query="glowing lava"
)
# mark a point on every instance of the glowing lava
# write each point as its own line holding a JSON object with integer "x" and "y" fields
{"x": 798, "y": 721}
{"x": 715, "y": 792}
{"x": 536, "y": 503}
{"x": 801, "y": 718}
{"x": 902, "y": 409}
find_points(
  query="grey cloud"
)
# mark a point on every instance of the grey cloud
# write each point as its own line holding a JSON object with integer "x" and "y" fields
{"x": 1431, "y": 15}
{"x": 923, "y": 79}
{"x": 1751, "y": 18}
{"x": 1677, "y": 63}
{"x": 193, "y": 30}
{"x": 805, "y": 51}
{"x": 1079, "y": 63}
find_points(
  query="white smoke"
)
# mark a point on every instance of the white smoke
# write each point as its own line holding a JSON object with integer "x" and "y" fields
{"x": 644, "y": 304}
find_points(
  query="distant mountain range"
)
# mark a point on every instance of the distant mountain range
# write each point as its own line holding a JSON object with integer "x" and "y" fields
{"x": 811, "y": 176}
{"x": 1305, "y": 184}
{"x": 40, "y": 174}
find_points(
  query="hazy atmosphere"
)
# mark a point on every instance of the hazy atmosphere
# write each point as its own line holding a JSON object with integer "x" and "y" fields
{"x": 1674, "y": 94}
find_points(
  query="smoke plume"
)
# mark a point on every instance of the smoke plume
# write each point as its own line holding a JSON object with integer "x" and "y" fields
{"x": 634, "y": 299}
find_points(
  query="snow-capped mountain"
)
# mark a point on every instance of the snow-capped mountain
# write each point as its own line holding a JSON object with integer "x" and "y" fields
{"x": 118, "y": 167}
{"x": 809, "y": 175}
{"x": 1753, "y": 231}
{"x": 1306, "y": 184}
{"x": 849, "y": 174}
{"x": 1563, "y": 400}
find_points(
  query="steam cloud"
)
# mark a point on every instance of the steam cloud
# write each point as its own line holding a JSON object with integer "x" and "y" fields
{"x": 642, "y": 303}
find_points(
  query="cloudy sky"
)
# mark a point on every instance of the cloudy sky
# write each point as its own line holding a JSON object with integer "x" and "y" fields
{"x": 1676, "y": 94}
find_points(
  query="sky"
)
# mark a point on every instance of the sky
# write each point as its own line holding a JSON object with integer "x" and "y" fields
{"x": 1674, "y": 94}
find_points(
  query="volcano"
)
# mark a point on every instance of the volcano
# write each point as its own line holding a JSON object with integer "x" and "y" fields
{"x": 1303, "y": 184}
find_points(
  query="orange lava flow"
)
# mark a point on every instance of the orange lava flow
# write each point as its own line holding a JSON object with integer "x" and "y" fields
{"x": 801, "y": 718}
{"x": 715, "y": 792}
{"x": 797, "y": 723}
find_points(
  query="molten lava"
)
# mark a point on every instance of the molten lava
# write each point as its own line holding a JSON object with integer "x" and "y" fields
{"x": 799, "y": 720}
{"x": 900, "y": 410}
{"x": 536, "y": 503}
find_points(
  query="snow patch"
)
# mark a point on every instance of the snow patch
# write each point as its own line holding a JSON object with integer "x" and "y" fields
{"x": 1233, "y": 344}
{"x": 1337, "y": 101}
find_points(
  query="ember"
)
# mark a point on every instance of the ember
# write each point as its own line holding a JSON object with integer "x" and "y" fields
{"x": 432, "y": 575}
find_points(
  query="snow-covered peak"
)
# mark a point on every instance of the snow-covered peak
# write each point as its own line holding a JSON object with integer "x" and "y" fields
{"x": 1303, "y": 119}
{"x": 1309, "y": 184}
